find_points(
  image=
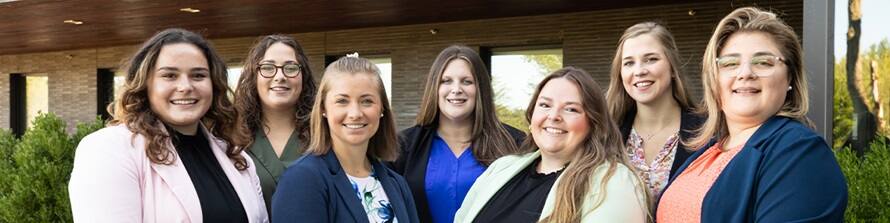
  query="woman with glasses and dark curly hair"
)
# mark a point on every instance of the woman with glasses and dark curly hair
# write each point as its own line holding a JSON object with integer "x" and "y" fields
{"x": 273, "y": 100}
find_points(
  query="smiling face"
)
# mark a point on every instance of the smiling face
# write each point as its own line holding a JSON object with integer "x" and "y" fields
{"x": 457, "y": 91}
{"x": 279, "y": 91}
{"x": 645, "y": 71}
{"x": 747, "y": 97}
{"x": 180, "y": 90}
{"x": 559, "y": 123}
{"x": 352, "y": 108}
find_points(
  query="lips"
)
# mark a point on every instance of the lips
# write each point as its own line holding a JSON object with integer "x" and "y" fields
{"x": 188, "y": 101}
{"x": 643, "y": 84}
{"x": 355, "y": 126}
{"x": 279, "y": 88}
{"x": 556, "y": 131}
{"x": 458, "y": 101}
{"x": 745, "y": 90}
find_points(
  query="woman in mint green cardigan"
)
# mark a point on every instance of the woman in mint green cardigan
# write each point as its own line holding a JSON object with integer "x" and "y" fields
{"x": 574, "y": 169}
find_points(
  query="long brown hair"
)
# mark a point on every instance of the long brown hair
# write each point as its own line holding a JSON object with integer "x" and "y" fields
{"x": 247, "y": 99}
{"x": 603, "y": 147}
{"x": 490, "y": 140}
{"x": 131, "y": 108}
{"x": 750, "y": 19}
{"x": 620, "y": 103}
{"x": 383, "y": 145}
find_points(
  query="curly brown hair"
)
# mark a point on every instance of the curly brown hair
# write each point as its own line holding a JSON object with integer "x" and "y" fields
{"x": 247, "y": 99}
{"x": 131, "y": 107}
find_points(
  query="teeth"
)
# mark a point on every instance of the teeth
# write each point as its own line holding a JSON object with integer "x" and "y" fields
{"x": 280, "y": 88}
{"x": 184, "y": 101}
{"x": 457, "y": 101}
{"x": 746, "y": 91}
{"x": 643, "y": 83}
{"x": 554, "y": 131}
{"x": 354, "y": 126}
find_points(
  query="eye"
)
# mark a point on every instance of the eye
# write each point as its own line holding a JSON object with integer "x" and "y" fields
{"x": 341, "y": 101}
{"x": 367, "y": 101}
{"x": 199, "y": 75}
{"x": 727, "y": 62}
{"x": 168, "y": 75}
{"x": 291, "y": 68}
{"x": 762, "y": 61}
{"x": 651, "y": 60}
{"x": 572, "y": 110}
{"x": 445, "y": 81}
{"x": 467, "y": 82}
{"x": 628, "y": 63}
{"x": 543, "y": 105}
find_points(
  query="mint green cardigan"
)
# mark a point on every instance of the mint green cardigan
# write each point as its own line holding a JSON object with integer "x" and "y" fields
{"x": 625, "y": 202}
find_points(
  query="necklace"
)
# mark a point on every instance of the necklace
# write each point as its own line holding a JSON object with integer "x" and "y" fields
{"x": 649, "y": 136}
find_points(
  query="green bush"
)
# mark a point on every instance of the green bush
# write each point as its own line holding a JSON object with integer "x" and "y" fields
{"x": 39, "y": 170}
{"x": 868, "y": 179}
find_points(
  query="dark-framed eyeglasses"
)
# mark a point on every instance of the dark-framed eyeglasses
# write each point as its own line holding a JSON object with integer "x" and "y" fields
{"x": 289, "y": 70}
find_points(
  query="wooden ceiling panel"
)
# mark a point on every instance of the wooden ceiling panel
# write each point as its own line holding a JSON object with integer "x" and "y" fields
{"x": 37, "y": 25}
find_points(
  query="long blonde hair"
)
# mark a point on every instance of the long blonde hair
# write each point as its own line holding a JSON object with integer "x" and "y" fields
{"x": 603, "y": 147}
{"x": 620, "y": 103}
{"x": 383, "y": 144}
{"x": 750, "y": 19}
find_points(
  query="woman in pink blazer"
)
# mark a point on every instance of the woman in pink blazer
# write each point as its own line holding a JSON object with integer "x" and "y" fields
{"x": 164, "y": 157}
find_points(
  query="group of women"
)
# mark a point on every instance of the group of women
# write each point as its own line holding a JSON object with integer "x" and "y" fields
{"x": 179, "y": 150}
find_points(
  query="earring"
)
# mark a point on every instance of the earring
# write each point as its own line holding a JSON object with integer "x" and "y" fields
{"x": 789, "y": 88}
{"x": 324, "y": 114}
{"x": 381, "y": 115}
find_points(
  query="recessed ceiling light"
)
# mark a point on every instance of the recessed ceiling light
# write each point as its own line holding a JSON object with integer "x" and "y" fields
{"x": 75, "y": 22}
{"x": 190, "y": 10}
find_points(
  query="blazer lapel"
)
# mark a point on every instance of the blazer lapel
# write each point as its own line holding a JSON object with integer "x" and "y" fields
{"x": 391, "y": 188}
{"x": 240, "y": 183}
{"x": 501, "y": 177}
{"x": 177, "y": 178}
{"x": 344, "y": 188}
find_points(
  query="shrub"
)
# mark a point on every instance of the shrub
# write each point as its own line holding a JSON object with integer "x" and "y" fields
{"x": 868, "y": 179}
{"x": 40, "y": 167}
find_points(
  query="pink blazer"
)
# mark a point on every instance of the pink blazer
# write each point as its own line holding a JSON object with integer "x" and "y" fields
{"x": 114, "y": 181}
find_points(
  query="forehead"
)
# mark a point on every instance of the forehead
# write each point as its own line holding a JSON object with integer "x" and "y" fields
{"x": 353, "y": 85}
{"x": 279, "y": 49}
{"x": 561, "y": 90}
{"x": 457, "y": 68}
{"x": 181, "y": 55}
{"x": 749, "y": 43}
{"x": 641, "y": 45}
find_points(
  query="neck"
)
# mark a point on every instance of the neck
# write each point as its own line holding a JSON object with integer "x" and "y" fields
{"x": 353, "y": 158}
{"x": 658, "y": 114}
{"x": 188, "y": 130}
{"x": 739, "y": 133}
{"x": 552, "y": 162}
{"x": 279, "y": 119}
{"x": 455, "y": 130}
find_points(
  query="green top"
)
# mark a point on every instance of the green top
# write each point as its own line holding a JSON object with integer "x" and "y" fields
{"x": 269, "y": 166}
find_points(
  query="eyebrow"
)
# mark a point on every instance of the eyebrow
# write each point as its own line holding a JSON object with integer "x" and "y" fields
{"x": 644, "y": 55}
{"x": 761, "y": 53}
{"x": 177, "y": 69}
{"x": 272, "y": 61}
{"x": 567, "y": 103}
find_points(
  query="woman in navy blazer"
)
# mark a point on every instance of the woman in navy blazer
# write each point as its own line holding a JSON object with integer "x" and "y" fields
{"x": 341, "y": 177}
{"x": 758, "y": 158}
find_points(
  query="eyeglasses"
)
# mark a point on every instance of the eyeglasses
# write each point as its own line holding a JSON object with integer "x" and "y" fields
{"x": 761, "y": 65}
{"x": 289, "y": 70}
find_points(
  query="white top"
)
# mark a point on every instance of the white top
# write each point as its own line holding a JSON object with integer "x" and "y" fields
{"x": 370, "y": 192}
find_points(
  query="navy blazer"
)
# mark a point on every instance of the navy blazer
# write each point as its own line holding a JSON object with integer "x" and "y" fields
{"x": 689, "y": 123}
{"x": 415, "y": 143}
{"x": 784, "y": 173}
{"x": 315, "y": 189}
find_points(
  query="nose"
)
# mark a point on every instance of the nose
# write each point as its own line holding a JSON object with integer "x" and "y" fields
{"x": 639, "y": 70}
{"x": 554, "y": 115}
{"x": 184, "y": 84}
{"x": 745, "y": 71}
{"x": 455, "y": 89}
{"x": 279, "y": 75}
{"x": 353, "y": 112}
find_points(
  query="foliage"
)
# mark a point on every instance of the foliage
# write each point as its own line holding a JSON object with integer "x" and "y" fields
{"x": 38, "y": 174}
{"x": 879, "y": 55}
{"x": 868, "y": 182}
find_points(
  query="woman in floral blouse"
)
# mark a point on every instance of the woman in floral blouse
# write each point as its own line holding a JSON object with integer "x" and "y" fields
{"x": 649, "y": 100}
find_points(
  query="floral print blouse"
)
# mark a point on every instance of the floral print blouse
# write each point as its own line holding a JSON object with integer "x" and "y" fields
{"x": 656, "y": 173}
{"x": 370, "y": 192}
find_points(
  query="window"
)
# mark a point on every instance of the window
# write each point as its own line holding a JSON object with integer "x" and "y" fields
{"x": 383, "y": 62}
{"x": 36, "y": 96}
{"x": 234, "y": 75}
{"x": 515, "y": 74}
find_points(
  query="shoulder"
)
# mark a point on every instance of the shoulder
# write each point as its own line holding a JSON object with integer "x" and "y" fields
{"x": 790, "y": 136}
{"x": 509, "y": 160}
{"x": 411, "y": 131}
{"x": 116, "y": 139}
{"x": 515, "y": 133}
{"x": 308, "y": 166}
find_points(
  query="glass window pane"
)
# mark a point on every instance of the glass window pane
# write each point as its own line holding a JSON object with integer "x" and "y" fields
{"x": 385, "y": 66}
{"x": 515, "y": 74}
{"x": 36, "y": 96}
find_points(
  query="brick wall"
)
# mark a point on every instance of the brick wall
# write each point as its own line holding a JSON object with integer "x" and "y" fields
{"x": 588, "y": 40}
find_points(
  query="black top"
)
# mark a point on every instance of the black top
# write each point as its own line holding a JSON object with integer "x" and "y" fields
{"x": 689, "y": 122}
{"x": 219, "y": 201}
{"x": 521, "y": 199}
{"x": 415, "y": 144}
